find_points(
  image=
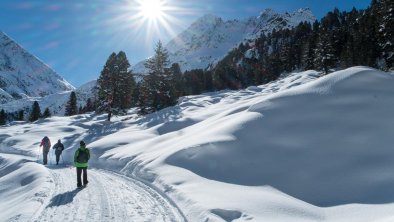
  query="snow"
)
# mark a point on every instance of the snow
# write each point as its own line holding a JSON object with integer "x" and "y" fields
{"x": 251, "y": 54}
{"x": 56, "y": 102}
{"x": 25, "y": 79}
{"x": 210, "y": 38}
{"x": 21, "y": 72}
{"x": 5, "y": 97}
{"x": 108, "y": 196}
{"x": 302, "y": 148}
{"x": 23, "y": 186}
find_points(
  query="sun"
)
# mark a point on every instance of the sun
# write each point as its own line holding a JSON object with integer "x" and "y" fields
{"x": 154, "y": 16}
{"x": 146, "y": 21}
{"x": 152, "y": 9}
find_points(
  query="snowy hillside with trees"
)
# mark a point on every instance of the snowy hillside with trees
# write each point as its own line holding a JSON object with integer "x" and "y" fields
{"x": 210, "y": 38}
{"x": 277, "y": 117}
{"x": 56, "y": 102}
{"x": 261, "y": 48}
{"x": 300, "y": 148}
{"x": 25, "y": 79}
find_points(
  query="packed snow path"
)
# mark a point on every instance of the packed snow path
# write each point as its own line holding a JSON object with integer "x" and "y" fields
{"x": 108, "y": 197}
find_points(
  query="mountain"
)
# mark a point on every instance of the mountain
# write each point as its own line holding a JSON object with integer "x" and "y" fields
{"x": 23, "y": 75}
{"x": 56, "y": 102}
{"x": 210, "y": 38}
{"x": 25, "y": 79}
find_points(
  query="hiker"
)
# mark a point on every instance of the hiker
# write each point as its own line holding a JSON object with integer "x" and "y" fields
{"x": 58, "y": 147}
{"x": 81, "y": 158}
{"x": 46, "y": 144}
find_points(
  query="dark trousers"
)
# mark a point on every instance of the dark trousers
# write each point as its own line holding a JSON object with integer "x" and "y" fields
{"x": 85, "y": 176}
{"x": 45, "y": 157}
{"x": 57, "y": 158}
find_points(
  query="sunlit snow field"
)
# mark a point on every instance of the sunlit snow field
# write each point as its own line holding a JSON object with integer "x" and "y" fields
{"x": 301, "y": 148}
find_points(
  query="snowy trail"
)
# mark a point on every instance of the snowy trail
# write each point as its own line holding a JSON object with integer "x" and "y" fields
{"x": 108, "y": 197}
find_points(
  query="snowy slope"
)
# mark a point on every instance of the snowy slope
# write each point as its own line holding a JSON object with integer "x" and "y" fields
{"x": 23, "y": 75}
{"x": 210, "y": 38}
{"x": 55, "y": 102}
{"x": 23, "y": 187}
{"x": 297, "y": 149}
{"x": 5, "y": 96}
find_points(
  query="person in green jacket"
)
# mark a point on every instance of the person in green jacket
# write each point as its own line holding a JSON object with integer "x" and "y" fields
{"x": 81, "y": 158}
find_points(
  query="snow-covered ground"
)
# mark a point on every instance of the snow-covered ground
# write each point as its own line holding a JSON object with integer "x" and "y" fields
{"x": 55, "y": 102}
{"x": 301, "y": 148}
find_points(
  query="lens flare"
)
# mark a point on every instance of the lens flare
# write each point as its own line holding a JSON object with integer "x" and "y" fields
{"x": 138, "y": 22}
{"x": 150, "y": 19}
{"x": 152, "y": 9}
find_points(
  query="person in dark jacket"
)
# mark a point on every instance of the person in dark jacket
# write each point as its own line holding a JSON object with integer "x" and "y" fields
{"x": 81, "y": 158}
{"x": 46, "y": 144}
{"x": 58, "y": 147}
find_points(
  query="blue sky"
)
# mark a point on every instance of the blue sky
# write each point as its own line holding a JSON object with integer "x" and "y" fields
{"x": 75, "y": 37}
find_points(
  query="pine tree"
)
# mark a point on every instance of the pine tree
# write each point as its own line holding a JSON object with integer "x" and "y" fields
{"x": 177, "y": 84}
{"x": 35, "y": 113}
{"x": 46, "y": 113}
{"x": 324, "y": 53}
{"x": 21, "y": 115}
{"x": 80, "y": 110}
{"x": 125, "y": 83}
{"x": 147, "y": 99}
{"x": 89, "y": 107}
{"x": 116, "y": 84}
{"x": 3, "y": 117}
{"x": 71, "y": 106}
{"x": 155, "y": 89}
{"x": 194, "y": 81}
{"x": 386, "y": 31}
{"x": 208, "y": 85}
{"x": 106, "y": 84}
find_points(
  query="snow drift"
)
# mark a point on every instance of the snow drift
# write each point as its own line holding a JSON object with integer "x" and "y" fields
{"x": 23, "y": 187}
{"x": 296, "y": 149}
{"x": 327, "y": 143}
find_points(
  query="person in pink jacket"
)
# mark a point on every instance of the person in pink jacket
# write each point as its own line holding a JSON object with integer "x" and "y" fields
{"x": 46, "y": 144}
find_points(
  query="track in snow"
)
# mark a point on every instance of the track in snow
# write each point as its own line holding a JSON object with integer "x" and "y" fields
{"x": 108, "y": 197}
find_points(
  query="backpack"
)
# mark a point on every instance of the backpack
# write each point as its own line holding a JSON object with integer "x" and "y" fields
{"x": 83, "y": 156}
{"x": 46, "y": 143}
{"x": 59, "y": 147}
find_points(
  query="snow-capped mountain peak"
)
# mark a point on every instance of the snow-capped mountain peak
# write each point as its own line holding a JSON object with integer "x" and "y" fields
{"x": 267, "y": 13}
{"x": 210, "y": 38}
{"x": 208, "y": 19}
{"x": 24, "y": 75}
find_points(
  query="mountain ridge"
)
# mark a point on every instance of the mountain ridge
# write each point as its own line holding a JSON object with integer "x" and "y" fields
{"x": 209, "y": 38}
{"x": 21, "y": 73}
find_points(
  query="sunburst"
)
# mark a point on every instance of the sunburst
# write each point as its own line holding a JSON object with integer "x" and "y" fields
{"x": 147, "y": 21}
{"x": 152, "y": 9}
